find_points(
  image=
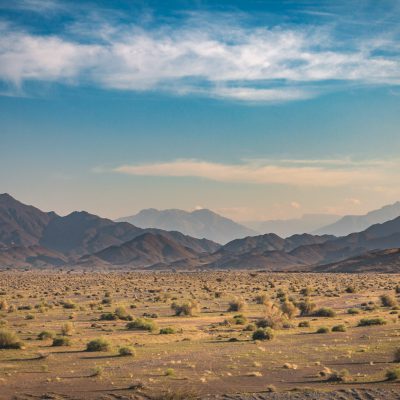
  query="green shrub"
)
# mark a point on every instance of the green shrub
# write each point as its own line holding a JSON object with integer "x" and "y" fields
{"x": 188, "y": 308}
{"x": 371, "y": 321}
{"x": 121, "y": 313}
{"x": 167, "y": 331}
{"x": 69, "y": 304}
{"x": 353, "y": 311}
{"x": 9, "y": 340}
{"x": 306, "y": 307}
{"x": 236, "y": 305}
{"x": 250, "y": 328}
{"x": 388, "y": 301}
{"x": 46, "y": 335}
{"x": 126, "y": 351}
{"x": 323, "y": 329}
{"x": 239, "y": 319}
{"x": 263, "y": 334}
{"x": 393, "y": 374}
{"x": 108, "y": 317}
{"x": 304, "y": 324}
{"x": 288, "y": 308}
{"x": 324, "y": 312}
{"x": 141, "y": 324}
{"x": 261, "y": 299}
{"x": 339, "y": 328}
{"x": 99, "y": 344}
{"x": 61, "y": 341}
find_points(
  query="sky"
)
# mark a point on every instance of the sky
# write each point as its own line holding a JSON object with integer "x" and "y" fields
{"x": 255, "y": 109}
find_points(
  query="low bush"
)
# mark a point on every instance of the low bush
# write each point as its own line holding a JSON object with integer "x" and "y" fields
{"x": 126, "y": 351}
{"x": 167, "y": 331}
{"x": 324, "y": 312}
{"x": 46, "y": 335}
{"x": 339, "y": 328}
{"x": 263, "y": 334}
{"x": 289, "y": 309}
{"x": 393, "y": 374}
{"x": 141, "y": 324}
{"x": 353, "y": 311}
{"x": 388, "y": 301}
{"x": 323, "y": 329}
{"x": 108, "y": 317}
{"x": 9, "y": 340}
{"x": 306, "y": 307}
{"x": 239, "y": 319}
{"x": 61, "y": 341}
{"x": 236, "y": 305}
{"x": 188, "y": 308}
{"x": 121, "y": 313}
{"x": 99, "y": 344}
{"x": 371, "y": 321}
{"x": 68, "y": 329}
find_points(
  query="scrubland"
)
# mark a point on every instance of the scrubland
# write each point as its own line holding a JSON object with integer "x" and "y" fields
{"x": 188, "y": 335}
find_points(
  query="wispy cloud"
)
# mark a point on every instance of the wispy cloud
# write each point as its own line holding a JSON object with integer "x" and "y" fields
{"x": 223, "y": 59}
{"x": 271, "y": 173}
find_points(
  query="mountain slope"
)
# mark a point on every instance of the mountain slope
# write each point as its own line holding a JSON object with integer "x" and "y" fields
{"x": 382, "y": 261}
{"x": 31, "y": 256}
{"x": 30, "y": 235}
{"x": 80, "y": 233}
{"x": 308, "y": 223}
{"x": 145, "y": 250}
{"x": 199, "y": 223}
{"x": 268, "y": 251}
{"x": 21, "y": 225}
{"x": 358, "y": 223}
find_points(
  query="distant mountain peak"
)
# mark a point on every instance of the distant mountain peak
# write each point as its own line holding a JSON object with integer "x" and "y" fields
{"x": 201, "y": 223}
{"x": 357, "y": 223}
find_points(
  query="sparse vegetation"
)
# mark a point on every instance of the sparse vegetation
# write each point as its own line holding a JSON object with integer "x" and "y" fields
{"x": 263, "y": 334}
{"x": 9, "y": 340}
{"x": 236, "y": 345}
{"x": 371, "y": 321}
{"x": 142, "y": 324}
{"x": 100, "y": 344}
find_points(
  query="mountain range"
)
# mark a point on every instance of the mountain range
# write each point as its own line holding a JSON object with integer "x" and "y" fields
{"x": 288, "y": 227}
{"x": 357, "y": 223}
{"x": 200, "y": 224}
{"x": 30, "y": 237}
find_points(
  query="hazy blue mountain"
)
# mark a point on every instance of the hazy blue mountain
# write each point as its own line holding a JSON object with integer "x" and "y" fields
{"x": 199, "y": 223}
{"x": 288, "y": 227}
{"x": 357, "y": 223}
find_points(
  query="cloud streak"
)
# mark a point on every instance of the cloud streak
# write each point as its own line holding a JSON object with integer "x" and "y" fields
{"x": 224, "y": 60}
{"x": 264, "y": 174}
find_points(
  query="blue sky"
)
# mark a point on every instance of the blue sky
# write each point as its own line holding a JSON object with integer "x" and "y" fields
{"x": 255, "y": 109}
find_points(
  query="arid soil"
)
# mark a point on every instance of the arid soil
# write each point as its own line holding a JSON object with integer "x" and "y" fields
{"x": 207, "y": 353}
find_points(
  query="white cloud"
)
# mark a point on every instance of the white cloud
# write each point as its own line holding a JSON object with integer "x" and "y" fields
{"x": 224, "y": 60}
{"x": 271, "y": 173}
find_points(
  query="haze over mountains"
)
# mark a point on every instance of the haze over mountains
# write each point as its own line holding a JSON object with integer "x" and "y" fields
{"x": 200, "y": 224}
{"x": 288, "y": 227}
{"x": 30, "y": 237}
{"x": 357, "y": 223}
